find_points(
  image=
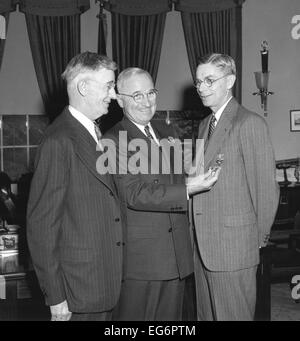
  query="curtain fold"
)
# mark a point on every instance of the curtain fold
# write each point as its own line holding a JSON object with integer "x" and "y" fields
{"x": 214, "y": 31}
{"x": 54, "y": 7}
{"x": 197, "y": 6}
{"x": 137, "y": 32}
{"x": 6, "y": 6}
{"x": 137, "y": 41}
{"x": 53, "y": 41}
{"x": 102, "y": 29}
{"x": 54, "y": 34}
{"x": 138, "y": 7}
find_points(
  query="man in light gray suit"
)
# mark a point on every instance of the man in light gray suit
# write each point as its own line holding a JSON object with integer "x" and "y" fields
{"x": 233, "y": 220}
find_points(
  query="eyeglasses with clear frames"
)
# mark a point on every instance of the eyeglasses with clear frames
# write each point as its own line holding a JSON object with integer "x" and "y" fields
{"x": 139, "y": 97}
{"x": 208, "y": 81}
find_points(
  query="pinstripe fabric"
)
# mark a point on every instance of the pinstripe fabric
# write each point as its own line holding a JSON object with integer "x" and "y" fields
{"x": 158, "y": 254}
{"x": 225, "y": 295}
{"x": 74, "y": 221}
{"x": 158, "y": 240}
{"x": 233, "y": 218}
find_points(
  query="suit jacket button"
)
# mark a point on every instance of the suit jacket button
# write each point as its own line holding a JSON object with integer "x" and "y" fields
{"x": 117, "y": 219}
{"x": 170, "y": 229}
{"x": 118, "y": 243}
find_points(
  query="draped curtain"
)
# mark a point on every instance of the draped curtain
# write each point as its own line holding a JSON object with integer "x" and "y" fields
{"x": 102, "y": 29}
{"x": 6, "y": 6}
{"x": 137, "y": 32}
{"x": 213, "y": 26}
{"x": 54, "y": 35}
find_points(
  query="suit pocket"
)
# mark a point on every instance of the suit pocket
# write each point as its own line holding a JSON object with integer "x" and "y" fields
{"x": 247, "y": 218}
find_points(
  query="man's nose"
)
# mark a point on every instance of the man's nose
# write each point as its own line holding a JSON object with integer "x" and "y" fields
{"x": 146, "y": 101}
{"x": 201, "y": 86}
{"x": 112, "y": 93}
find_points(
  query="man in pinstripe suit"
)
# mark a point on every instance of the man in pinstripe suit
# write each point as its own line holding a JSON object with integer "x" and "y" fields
{"x": 158, "y": 254}
{"x": 233, "y": 220}
{"x": 74, "y": 216}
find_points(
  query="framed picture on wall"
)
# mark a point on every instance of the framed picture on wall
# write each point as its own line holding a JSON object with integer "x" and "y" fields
{"x": 295, "y": 120}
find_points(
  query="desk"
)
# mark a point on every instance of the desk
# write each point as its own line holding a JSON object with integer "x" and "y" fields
{"x": 20, "y": 295}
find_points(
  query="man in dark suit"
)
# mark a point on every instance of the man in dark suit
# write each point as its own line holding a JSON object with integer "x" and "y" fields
{"x": 74, "y": 217}
{"x": 233, "y": 220}
{"x": 158, "y": 255}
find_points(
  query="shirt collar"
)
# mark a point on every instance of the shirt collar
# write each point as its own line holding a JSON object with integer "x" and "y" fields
{"x": 85, "y": 121}
{"x": 142, "y": 127}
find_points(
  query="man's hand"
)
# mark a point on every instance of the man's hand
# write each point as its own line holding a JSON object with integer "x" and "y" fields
{"x": 202, "y": 182}
{"x": 60, "y": 312}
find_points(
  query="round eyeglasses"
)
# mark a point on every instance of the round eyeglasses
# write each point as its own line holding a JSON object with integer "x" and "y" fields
{"x": 139, "y": 97}
{"x": 208, "y": 82}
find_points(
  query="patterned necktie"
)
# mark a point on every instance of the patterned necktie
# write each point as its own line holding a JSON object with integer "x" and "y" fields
{"x": 211, "y": 127}
{"x": 147, "y": 131}
{"x": 97, "y": 131}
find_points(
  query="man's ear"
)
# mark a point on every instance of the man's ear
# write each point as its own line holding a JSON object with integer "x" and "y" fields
{"x": 82, "y": 87}
{"x": 120, "y": 100}
{"x": 230, "y": 81}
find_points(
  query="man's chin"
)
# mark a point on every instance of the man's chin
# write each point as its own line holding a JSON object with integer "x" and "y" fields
{"x": 104, "y": 112}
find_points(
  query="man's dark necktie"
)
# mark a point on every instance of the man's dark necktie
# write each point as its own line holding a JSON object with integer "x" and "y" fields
{"x": 211, "y": 127}
{"x": 147, "y": 131}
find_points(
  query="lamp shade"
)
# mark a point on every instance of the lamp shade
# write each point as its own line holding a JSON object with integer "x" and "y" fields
{"x": 262, "y": 79}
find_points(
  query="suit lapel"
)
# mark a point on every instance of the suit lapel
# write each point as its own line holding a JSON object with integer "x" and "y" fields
{"x": 221, "y": 131}
{"x": 203, "y": 130}
{"x": 134, "y": 132}
{"x": 85, "y": 149}
{"x": 161, "y": 133}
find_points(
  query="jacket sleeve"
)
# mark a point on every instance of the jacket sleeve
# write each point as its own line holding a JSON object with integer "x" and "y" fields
{"x": 44, "y": 218}
{"x": 258, "y": 156}
{"x": 147, "y": 195}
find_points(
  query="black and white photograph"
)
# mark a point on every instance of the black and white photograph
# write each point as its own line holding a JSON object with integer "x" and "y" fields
{"x": 149, "y": 163}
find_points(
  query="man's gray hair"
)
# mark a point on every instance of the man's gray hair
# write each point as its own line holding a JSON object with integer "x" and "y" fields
{"x": 85, "y": 62}
{"x": 128, "y": 73}
{"x": 222, "y": 61}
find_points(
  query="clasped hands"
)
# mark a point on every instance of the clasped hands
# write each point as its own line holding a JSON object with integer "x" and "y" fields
{"x": 202, "y": 182}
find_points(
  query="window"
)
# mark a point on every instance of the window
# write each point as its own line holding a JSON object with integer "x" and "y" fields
{"x": 19, "y": 137}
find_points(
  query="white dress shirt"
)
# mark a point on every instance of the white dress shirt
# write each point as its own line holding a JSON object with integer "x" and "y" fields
{"x": 85, "y": 121}
{"x": 220, "y": 111}
{"x": 142, "y": 129}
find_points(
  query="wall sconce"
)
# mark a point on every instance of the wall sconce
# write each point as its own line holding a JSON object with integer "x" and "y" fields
{"x": 262, "y": 78}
